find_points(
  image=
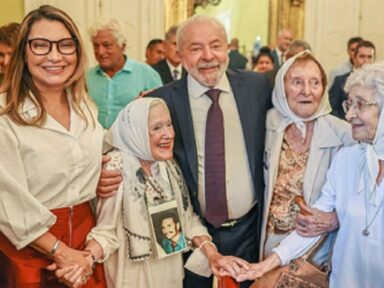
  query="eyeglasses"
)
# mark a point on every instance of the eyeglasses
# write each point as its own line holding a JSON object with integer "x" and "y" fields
{"x": 300, "y": 83}
{"x": 42, "y": 46}
{"x": 360, "y": 105}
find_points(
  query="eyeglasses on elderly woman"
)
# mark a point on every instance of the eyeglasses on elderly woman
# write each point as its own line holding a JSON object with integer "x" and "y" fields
{"x": 359, "y": 104}
{"x": 42, "y": 46}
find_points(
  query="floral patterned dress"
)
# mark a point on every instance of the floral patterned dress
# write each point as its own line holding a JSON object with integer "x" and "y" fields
{"x": 289, "y": 183}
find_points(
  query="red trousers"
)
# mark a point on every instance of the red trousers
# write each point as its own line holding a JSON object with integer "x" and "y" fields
{"x": 26, "y": 268}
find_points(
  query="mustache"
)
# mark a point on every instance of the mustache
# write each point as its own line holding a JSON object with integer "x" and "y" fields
{"x": 212, "y": 64}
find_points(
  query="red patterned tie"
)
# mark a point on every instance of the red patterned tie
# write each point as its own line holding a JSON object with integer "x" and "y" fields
{"x": 215, "y": 191}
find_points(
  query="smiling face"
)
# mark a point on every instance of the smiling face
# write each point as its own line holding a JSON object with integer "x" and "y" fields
{"x": 364, "y": 122}
{"x": 108, "y": 53}
{"x": 54, "y": 69}
{"x": 204, "y": 52}
{"x": 170, "y": 229}
{"x": 161, "y": 134}
{"x": 304, "y": 88}
{"x": 264, "y": 64}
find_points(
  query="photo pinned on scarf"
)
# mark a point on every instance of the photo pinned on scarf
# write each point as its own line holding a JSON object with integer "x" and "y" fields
{"x": 167, "y": 229}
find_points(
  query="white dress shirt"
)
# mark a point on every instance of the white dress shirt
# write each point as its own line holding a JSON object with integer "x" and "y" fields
{"x": 239, "y": 187}
{"x": 172, "y": 68}
{"x": 44, "y": 168}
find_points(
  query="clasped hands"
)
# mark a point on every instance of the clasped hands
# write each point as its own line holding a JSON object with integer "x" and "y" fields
{"x": 310, "y": 222}
{"x": 72, "y": 267}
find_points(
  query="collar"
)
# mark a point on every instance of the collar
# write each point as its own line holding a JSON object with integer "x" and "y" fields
{"x": 196, "y": 90}
{"x": 171, "y": 67}
{"x": 128, "y": 67}
{"x": 321, "y": 139}
{"x": 278, "y": 51}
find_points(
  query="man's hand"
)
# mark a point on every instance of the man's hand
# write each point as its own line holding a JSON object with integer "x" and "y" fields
{"x": 109, "y": 180}
{"x": 312, "y": 222}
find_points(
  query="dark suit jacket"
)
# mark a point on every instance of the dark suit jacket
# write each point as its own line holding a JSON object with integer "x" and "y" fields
{"x": 252, "y": 96}
{"x": 271, "y": 75}
{"x": 337, "y": 95}
{"x": 165, "y": 73}
{"x": 237, "y": 60}
{"x": 276, "y": 61}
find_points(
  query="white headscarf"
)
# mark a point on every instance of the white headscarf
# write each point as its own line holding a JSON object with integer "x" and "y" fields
{"x": 279, "y": 99}
{"x": 129, "y": 133}
{"x": 373, "y": 153}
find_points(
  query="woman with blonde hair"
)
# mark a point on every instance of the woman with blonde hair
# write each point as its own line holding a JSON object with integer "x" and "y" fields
{"x": 50, "y": 160}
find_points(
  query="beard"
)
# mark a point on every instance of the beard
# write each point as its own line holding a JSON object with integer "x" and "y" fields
{"x": 211, "y": 78}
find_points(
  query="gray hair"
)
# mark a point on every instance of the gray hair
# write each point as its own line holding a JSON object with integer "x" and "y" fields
{"x": 198, "y": 19}
{"x": 299, "y": 43}
{"x": 114, "y": 26}
{"x": 370, "y": 76}
{"x": 295, "y": 47}
{"x": 171, "y": 31}
{"x": 158, "y": 101}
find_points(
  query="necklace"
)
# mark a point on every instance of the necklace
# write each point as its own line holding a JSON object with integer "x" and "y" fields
{"x": 367, "y": 225}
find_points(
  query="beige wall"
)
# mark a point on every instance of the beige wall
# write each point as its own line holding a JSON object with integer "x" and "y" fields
{"x": 249, "y": 18}
{"x": 11, "y": 11}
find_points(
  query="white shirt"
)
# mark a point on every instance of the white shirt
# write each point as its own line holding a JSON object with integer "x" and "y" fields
{"x": 172, "y": 68}
{"x": 240, "y": 192}
{"x": 357, "y": 259}
{"x": 338, "y": 71}
{"x": 43, "y": 169}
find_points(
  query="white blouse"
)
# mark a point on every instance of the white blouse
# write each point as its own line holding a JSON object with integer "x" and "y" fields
{"x": 356, "y": 259}
{"x": 43, "y": 168}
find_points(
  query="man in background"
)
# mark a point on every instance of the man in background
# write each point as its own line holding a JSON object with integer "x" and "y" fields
{"x": 236, "y": 59}
{"x": 284, "y": 38}
{"x": 296, "y": 46}
{"x": 8, "y": 34}
{"x": 155, "y": 51}
{"x": 116, "y": 80}
{"x": 365, "y": 53}
{"x": 170, "y": 68}
{"x": 347, "y": 66}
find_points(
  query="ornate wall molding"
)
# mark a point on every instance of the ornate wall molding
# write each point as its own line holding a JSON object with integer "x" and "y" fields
{"x": 176, "y": 11}
{"x": 286, "y": 14}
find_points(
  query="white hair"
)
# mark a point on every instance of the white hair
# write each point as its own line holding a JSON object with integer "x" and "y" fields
{"x": 116, "y": 28}
{"x": 370, "y": 76}
{"x": 180, "y": 34}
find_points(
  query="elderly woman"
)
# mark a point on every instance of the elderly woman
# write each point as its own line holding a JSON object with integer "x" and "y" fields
{"x": 301, "y": 140}
{"x": 354, "y": 189}
{"x": 50, "y": 157}
{"x": 143, "y": 135}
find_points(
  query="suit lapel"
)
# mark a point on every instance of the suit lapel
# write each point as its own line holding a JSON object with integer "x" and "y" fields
{"x": 240, "y": 94}
{"x": 183, "y": 115}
